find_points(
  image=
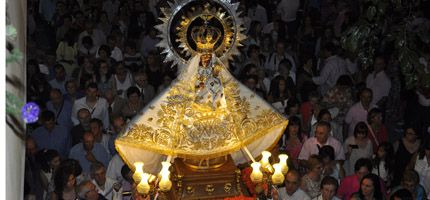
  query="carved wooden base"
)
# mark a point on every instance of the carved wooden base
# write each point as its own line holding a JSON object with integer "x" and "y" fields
{"x": 191, "y": 183}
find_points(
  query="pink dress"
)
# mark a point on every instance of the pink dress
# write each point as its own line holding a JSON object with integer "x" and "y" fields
{"x": 295, "y": 151}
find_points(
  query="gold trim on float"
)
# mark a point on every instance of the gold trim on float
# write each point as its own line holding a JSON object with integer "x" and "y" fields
{"x": 282, "y": 125}
{"x": 205, "y": 167}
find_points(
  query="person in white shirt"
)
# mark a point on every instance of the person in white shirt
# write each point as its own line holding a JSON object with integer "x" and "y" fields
{"x": 273, "y": 61}
{"x": 329, "y": 187}
{"x": 96, "y": 105}
{"x": 106, "y": 186}
{"x": 257, "y": 12}
{"x": 292, "y": 190}
{"x": 288, "y": 11}
{"x": 379, "y": 82}
{"x": 96, "y": 35}
{"x": 149, "y": 42}
{"x": 334, "y": 67}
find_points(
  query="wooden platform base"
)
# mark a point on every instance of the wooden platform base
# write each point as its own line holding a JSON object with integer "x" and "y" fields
{"x": 190, "y": 183}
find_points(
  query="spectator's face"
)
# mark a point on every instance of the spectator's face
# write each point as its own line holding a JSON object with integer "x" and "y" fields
{"x": 377, "y": 119}
{"x": 379, "y": 65}
{"x": 410, "y": 134}
{"x": 293, "y": 129}
{"x": 100, "y": 176}
{"x": 50, "y": 59}
{"x": 367, "y": 187}
{"x": 118, "y": 125}
{"x": 30, "y": 148}
{"x": 54, "y": 163}
{"x": 363, "y": 171}
{"x": 252, "y": 71}
{"x": 294, "y": 109}
{"x": 254, "y": 53}
{"x": 291, "y": 183}
{"x": 251, "y": 83}
{"x": 381, "y": 153}
{"x": 84, "y": 118}
{"x": 366, "y": 98}
{"x": 103, "y": 54}
{"x": 49, "y": 125}
{"x": 95, "y": 128}
{"x": 88, "y": 142}
{"x": 133, "y": 98}
{"x": 282, "y": 86}
{"x": 328, "y": 191}
{"x": 71, "y": 182}
{"x": 56, "y": 98}
{"x": 59, "y": 74}
{"x": 120, "y": 69}
{"x": 318, "y": 169}
{"x": 326, "y": 118}
{"x": 92, "y": 93}
{"x": 361, "y": 136}
{"x": 280, "y": 48}
{"x": 313, "y": 101}
{"x": 410, "y": 185}
{"x": 321, "y": 133}
{"x": 104, "y": 69}
{"x": 92, "y": 194}
{"x": 142, "y": 81}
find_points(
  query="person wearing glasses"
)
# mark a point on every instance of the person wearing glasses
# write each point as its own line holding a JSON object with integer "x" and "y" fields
{"x": 410, "y": 181}
{"x": 404, "y": 148}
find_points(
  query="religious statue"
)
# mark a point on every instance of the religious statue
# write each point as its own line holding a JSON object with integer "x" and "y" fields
{"x": 206, "y": 113}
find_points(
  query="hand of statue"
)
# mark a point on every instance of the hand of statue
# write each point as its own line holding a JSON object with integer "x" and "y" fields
{"x": 90, "y": 156}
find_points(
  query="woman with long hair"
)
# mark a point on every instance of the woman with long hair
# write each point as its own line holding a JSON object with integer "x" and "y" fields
{"x": 48, "y": 162}
{"x": 279, "y": 94}
{"x": 369, "y": 189}
{"x": 254, "y": 34}
{"x": 383, "y": 162}
{"x": 292, "y": 140}
{"x": 420, "y": 162}
{"x": 103, "y": 76}
{"x": 65, "y": 184}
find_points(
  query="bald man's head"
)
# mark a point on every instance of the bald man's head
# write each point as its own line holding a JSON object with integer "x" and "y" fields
{"x": 88, "y": 141}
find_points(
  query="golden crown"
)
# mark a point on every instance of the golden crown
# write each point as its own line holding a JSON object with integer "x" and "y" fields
{"x": 205, "y": 36}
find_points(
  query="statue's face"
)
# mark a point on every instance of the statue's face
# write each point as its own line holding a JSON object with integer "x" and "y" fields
{"x": 205, "y": 59}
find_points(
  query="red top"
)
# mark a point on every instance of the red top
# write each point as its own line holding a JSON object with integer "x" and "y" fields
{"x": 381, "y": 136}
{"x": 305, "y": 111}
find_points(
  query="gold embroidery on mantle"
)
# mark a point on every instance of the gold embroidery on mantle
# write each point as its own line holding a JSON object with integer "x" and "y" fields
{"x": 190, "y": 130}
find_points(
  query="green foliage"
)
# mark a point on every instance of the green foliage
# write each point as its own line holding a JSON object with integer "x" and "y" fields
{"x": 13, "y": 104}
{"x": 387, "y": 21}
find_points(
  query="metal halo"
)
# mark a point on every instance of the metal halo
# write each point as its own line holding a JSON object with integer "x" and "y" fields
{"x": 166, "y": 34}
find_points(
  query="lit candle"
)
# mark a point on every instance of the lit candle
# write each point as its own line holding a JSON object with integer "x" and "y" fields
{"x": 277, "y": 177}
{"x": 265, "y": 161}
{"x": 138, "y": 171}
{"x": 256, "y": 175}
{"x": 283, "y": 161}
{"x": 143, "y": 187}
{"x": 165, "y": 183}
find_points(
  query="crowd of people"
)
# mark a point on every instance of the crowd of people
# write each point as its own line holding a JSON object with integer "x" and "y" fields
{"x": 93, "y": 65}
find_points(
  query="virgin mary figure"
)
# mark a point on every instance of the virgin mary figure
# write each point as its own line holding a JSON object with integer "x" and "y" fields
{"x": 206, "y": 113}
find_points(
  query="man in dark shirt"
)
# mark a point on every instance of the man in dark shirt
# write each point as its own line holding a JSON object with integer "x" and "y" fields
{"x": 78, "y": 131}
